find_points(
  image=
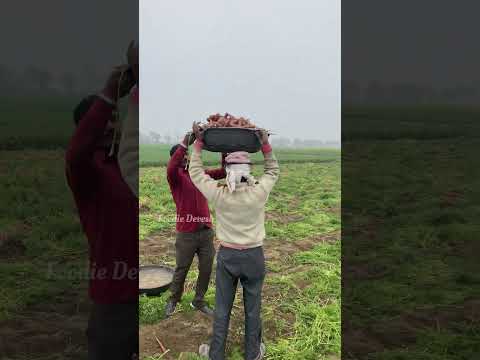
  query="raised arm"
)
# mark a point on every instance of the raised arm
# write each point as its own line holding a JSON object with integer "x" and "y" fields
{"x": 271, "y": 168}
{"x": 90, "y": 129}
{"x": 207, "y": 186}
{"x": 175, "y": 163}
{"x": 84, "y": 142}
{"x": 219, "y": 173}
{"x": 128, "y": 149}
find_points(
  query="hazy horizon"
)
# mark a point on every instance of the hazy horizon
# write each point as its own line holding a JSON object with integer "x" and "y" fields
{"x": 275, "y": 62}
{"x": 78, "y": 49}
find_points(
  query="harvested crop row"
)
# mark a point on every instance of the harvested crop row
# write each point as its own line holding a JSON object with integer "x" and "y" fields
{"x": 227, "y": 120}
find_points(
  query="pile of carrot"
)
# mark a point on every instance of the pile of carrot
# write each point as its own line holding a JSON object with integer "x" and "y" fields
{"x": 228, "y": 120}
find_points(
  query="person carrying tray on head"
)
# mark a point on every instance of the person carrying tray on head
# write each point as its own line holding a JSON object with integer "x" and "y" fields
{"x": 194, "y": 228}
{"x": 108, "y": 212}
{"x": 240, "y": 213}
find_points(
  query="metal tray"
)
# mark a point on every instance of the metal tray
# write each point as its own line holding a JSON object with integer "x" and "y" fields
{"x": 229, "y": 139}
{"x": 160, "y": 271}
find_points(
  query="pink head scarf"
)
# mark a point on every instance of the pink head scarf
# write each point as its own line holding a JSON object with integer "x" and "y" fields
{"x": 238, "y": 157}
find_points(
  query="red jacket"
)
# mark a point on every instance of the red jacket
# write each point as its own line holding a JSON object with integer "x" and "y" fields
{"x": 108, "y": 211}
{"x": 192, "y": 207}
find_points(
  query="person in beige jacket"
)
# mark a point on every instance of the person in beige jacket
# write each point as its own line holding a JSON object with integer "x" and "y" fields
{"x": 240, "y": 214}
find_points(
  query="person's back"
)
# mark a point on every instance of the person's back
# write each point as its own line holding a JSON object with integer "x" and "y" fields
{"x": 240, "y": 217}
{"x": 194, "y": 229}
{"x": 108, "y": 210}
{"x": 240, "y": 214}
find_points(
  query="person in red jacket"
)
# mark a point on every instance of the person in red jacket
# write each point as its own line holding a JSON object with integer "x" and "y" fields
{"x": 108, "y": 212}
{"x": 194, "y": 228}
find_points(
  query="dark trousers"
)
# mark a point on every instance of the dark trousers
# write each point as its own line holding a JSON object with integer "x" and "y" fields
{"x": 113, "y": 331}
{"x": 186, "y": 246}
{"x": 248, "y": 266}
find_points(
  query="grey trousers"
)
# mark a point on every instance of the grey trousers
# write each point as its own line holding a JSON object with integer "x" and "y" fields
{"x": 248, "y": 266}
{"x": 186, "y": 246}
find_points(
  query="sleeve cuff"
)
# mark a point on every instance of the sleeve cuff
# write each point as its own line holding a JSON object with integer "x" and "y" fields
{"x": 198, "y": 145}
{"x": 134, "y": 95}
{"x": 106, "y": 99}
{"x": 266, "y": 148}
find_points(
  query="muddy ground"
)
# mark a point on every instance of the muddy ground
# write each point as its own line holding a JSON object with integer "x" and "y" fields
{"x": 50, "y": 330}
{"x": 185, "y": 331}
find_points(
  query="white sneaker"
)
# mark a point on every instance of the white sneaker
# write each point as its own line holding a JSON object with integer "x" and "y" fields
{"x": 204, "y": 350}
{"x": 262, "y": 352}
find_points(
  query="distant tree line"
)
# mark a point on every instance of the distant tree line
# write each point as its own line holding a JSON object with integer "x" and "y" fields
{"x": 36, "y": 80}
{"x": 379, "y": 93}
{"x": 153, "y": 137}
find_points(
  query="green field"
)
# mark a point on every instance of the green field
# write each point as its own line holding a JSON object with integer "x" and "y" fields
{"x": 420, "y": 123}
{"x": 410, "y": 195}
{"x": 43, "y": 255}
{"x": 410, "y": 210}
{"x": 36, "y": 123}
{"x": 43, "y": 252}
{"x": 158, "y": 154}
{"x": 301, "y": 301}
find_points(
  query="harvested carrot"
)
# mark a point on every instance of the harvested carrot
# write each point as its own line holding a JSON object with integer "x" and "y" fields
{"x": 227, "y": 120}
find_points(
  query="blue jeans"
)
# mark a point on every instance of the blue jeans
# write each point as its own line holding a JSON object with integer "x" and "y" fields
{"x": 248, "y": 266}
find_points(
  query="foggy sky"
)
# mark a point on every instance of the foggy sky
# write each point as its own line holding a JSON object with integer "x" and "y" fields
{"x": 432, "y": 43}
{"x": 276, "y": 62}
{"x": 60, "y": 36}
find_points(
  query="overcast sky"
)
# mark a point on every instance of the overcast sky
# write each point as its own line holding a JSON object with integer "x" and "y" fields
{"x": 68, "y": 36}
{"x": 429, "y": 42}
{"x": 276, "y": 62}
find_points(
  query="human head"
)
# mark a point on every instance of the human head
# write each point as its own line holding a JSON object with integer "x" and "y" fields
{"x": 238, "y": 167}
{"x": 173, "y": 149}
{"x": 238, "y": 157}
{"x": 82, "y": 109}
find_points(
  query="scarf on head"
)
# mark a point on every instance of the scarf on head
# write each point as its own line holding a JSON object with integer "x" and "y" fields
{"x": 235, "y": 173}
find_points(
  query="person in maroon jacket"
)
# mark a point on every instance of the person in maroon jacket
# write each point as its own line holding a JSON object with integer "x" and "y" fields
{"x": 194, "y": 228}
{"x": 108, "y": 212}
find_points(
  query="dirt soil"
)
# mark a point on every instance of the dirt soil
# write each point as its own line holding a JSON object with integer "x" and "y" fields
{"x": 11, "y": 244}
{"x": 384, "y": 335}
{"x": 184, "y": 332}
{"x": 51, "y": 330}
{"x": 154, "y": 248}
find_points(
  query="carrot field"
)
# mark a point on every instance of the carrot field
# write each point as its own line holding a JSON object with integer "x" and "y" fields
{"x": 301, "y": 296}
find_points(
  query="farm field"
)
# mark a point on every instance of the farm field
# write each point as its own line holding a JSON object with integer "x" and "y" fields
{"x": 43, "y": 302}
{"x": 301, "y": 298}
{"x": 43, "y": 252}
{"x": 410, "y": 214}
{"x": 424, "y": 243}
{"x": 158, "y": 155}
{"x": 420, "y": 123}
{"x": 36, "y": 123}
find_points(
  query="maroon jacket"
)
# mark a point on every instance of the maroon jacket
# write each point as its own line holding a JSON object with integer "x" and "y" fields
{"x": 192, "y": 207}
{"x": 107, "y": 208}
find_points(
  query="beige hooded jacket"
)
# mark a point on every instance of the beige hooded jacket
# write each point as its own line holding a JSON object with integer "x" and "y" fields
{"x": 240, "y": 215}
